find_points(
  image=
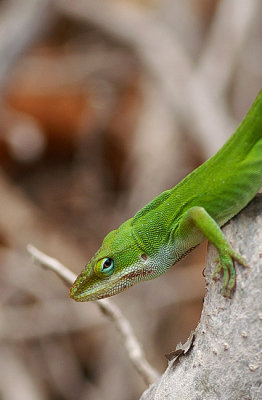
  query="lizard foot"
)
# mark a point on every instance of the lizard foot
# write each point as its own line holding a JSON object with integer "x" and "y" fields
{"x": 226, "y": 265}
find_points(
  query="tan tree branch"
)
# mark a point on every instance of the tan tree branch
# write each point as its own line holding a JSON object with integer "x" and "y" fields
{"x": 224, "y": 362}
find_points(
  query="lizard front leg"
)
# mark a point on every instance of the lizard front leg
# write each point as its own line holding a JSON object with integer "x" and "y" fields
{"x": 196, "y": 224}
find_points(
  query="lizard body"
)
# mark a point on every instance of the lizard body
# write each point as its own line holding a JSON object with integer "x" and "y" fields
{"x": 177, "y": 220}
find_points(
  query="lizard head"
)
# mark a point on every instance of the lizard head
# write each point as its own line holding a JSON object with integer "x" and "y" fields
{"x": 117, "y": 265}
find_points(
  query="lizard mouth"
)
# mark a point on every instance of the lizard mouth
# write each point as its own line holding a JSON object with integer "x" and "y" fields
{"x": 86, "y": 291}
{"x": 81, "y": 291}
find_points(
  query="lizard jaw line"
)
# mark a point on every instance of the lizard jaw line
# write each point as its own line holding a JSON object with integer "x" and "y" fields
{"x": 129, "y": 279}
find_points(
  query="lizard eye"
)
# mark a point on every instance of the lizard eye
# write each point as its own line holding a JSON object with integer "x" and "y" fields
{"x": 104, "y": 267}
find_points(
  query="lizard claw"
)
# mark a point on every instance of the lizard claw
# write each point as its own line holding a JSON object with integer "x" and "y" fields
{"x": 227, "y": 259}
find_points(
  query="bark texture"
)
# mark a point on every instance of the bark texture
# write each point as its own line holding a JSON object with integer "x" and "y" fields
{"x": 225, "y": 359}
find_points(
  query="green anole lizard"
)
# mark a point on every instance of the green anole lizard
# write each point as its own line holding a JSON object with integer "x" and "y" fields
{"x": 177, "y": 220}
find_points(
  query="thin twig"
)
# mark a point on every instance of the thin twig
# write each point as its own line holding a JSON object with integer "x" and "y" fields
{"x": 133, "y": 347}
{"x": 51, "y": 263}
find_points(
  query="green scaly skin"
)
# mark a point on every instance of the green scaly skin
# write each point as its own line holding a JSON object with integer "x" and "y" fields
{"x": 177, "y": 220}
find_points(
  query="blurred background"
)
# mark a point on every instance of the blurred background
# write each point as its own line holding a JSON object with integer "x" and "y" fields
{"x": 103, "y": 105}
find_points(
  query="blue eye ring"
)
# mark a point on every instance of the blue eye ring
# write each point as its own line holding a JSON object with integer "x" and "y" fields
{"x": 104, "y": 267}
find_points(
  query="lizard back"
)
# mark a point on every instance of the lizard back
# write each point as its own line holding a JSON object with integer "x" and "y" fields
{"x": 223, "y": 185}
